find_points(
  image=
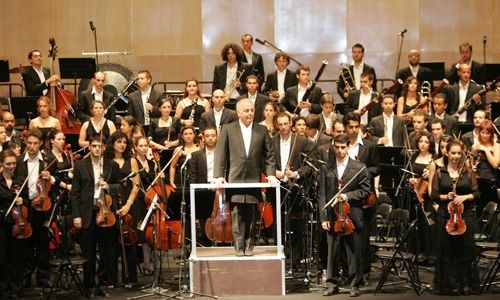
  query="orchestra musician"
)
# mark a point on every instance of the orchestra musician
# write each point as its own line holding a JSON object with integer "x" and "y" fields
{"x": 97, "y": 124}
{"x": 218, "y": 115}
{"x": 144, "y": 101}
{"x": 439, "y": 105}
{"x": 37, "y": 80}
{"x": 269, "y": 118}
{"x": 299, "y": 125}
{"x": 456, "y": 270}
{"x": 11, "y": 247}
{"x": 486, "y": 159}
{"x": 328, "y": 117}
{"x": 461, "y": 91}
{"x": 438, "y": 130}
{"x": 9, "y": 121}
{"x": 472, "y": 137}
{"x": 131, "y": 127}
{"x": 478, "y": 72}
{"x": 293, "y": 101}
{"x": 420, "y": 120}
{"x": 57, "y": 152}
{"x": 119, "y": 149}
{"x": 192, "y": 100}
{"x": 32, "y": 166}
{"x": 97, "y": 92}
{"x": 359, "y": 98}
{"x": 252, "y": 58}
{"x": 164, "y": 131}
{"x": 92, "y": 176}
{"x": 182, "y": 155}
{"x": 438, "y": 161}
{"x": 314, "y": 132}
{"x": 339, "y": 171}
{"x": 259, "y": 100}
{"x": 387, "y": 129}
{"x": 3, "y": 136}
{"x": 288, "y": 148}
{"x": 410, "y": 99}
{"x": 228, "y": 76}
{"x": 281, "y": 79}
{"x": 357, "y": 67}
{"x": 243, "y": 153}
{"x": 45, "y": 121}
{"x": 415, "y": 70}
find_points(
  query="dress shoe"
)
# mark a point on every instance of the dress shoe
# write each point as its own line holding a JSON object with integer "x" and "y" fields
{"x": 467, "y": 290}
{"x": 354, "y": 292}
{"x": 102, "y": 292}
{"x": 248, "y": 253}
{"x": 240, "y": 253}
{"x": 331, "y": 291}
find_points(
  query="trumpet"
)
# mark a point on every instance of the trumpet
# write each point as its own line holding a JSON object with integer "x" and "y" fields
{"x": 232, "y": 84}
{"x": 347, "y": 78}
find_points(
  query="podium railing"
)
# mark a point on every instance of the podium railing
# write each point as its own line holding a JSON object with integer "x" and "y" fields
{"x": 194, "y": 187}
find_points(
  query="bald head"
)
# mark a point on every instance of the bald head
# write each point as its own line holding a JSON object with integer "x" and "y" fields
{"x": 414, "y": 57}
{"x": 218, "y": 99}
{"x": 245, "y": 111}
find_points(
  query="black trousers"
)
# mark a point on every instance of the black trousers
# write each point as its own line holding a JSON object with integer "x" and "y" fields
{"x": 37, "y": 250}
{"x": 11, "y": 261}
{"x": 104, "y": 240}
{"x": 243, "y": 217}
{"x": 353, "y": 244}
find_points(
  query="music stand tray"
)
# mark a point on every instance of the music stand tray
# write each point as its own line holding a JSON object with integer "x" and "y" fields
{"x": 72, "y": 68}
{"x": 492, "y": 71}
{"x": 391, "y": 155}
{"x": 4, "y": 70}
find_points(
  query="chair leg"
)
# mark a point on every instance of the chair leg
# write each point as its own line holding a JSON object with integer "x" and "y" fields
{"x": 385, "y": 273}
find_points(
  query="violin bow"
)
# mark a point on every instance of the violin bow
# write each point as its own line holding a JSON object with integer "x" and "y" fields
{"x": 334, "y": 200}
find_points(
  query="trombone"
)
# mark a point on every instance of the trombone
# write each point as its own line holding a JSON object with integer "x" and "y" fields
{"x": 347, "y": 78}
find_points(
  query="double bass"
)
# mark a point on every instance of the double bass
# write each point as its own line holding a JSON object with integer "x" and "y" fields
{"x": 63, "y": 100}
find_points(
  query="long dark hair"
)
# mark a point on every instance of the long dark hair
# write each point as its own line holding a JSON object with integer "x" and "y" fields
{"x": 109, "y": 151}
{"x": 406, "y": 84}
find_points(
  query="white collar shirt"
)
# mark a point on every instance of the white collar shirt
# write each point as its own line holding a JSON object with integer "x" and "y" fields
{"x": 364, "y": 99}
{"x": 281, "y": 82}
{"x": 246, "y": 132}
{"x": 145, "y": 98}
{"x": 42, "y": 78}
{"x": 357, "y": 71}
{"x": 33, "y": 173}
{"x": 284, "y": 151}
{"x": 462, "y": 92}
{"x": 389, "y": 125}
{"x": 210, "y": 164}
{"x": 97, "y": 95}
{"x": 353, "y": 150}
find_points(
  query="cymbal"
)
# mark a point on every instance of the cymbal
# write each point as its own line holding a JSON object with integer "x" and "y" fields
{"x": 19, "y": 69}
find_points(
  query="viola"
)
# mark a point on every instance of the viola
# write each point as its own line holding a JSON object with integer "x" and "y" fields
{"x": 343, "y": 223}
{"x": 42, "y": 201}
{"x": 218, "y": 227}
{"x": 21, "y": 228}
{"x": 63, "y": 100}
{"x": 455, "y": 224}
{"x": 105, "y": 217}
{"x": 128, "y": 235}
{"x": 420, "y": 188}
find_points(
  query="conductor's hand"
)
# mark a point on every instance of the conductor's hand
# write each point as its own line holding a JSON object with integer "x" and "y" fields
{"x": 273, "y": 180}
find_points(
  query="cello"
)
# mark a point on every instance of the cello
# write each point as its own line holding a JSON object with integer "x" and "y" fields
{"x": 218, "y": 227}
{"x": 63, "y": 100}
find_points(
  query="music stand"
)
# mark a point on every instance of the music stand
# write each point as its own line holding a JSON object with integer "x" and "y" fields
{"x": 437, "y": 69}
{"x": 73, "y": 68}
{"x": 492, "y": 71}
{"x": 24, "y": 107}
{"x": 391, "y": 160}
{"x": 4, "y": 70}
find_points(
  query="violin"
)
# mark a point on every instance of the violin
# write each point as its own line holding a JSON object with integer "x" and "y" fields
{"x": 168, "y": 233}
{"x": 128, "y": 235}
{"x": 42, "y": 201}
{"x": 455, "y": 224}
{"x": 105, "y": 217}
{"x": 420, "y": 188}
{"x": 21, "y": 228}
{"x": 342, "y": 209}
{"x": 218, "y": 227}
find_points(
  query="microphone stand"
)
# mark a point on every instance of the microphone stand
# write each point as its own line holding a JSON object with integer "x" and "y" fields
{"x": 402, "y": 34}
{"x": 94, "y": 31}
{"x": 484, "y": 49}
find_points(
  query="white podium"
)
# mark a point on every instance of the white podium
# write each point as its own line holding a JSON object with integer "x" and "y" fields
{"x": 218, "y": 271}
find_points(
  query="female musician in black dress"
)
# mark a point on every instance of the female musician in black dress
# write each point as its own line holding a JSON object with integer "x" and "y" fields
{"x": 96, "y": 124}
{"x": 455, "y": 271}
{"x": 410, "y": 97}
{"x": 187, "y": 145}
{"x": 269, "y": 113}
{"x": 11, "y": 248}
{"x": 164, "y": 131}
{"x": 147, "y": 175}
{"x": 119, "y": 149}
{"x": 45, "y": 121}
{"x": 486, "y": 159}
{"x": 192, "y": 100}
{"x": 56, "y": 141}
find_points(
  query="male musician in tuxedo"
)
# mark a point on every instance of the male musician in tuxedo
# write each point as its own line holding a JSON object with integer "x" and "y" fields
{"x": 218, "y": 115}
{"x": 259, "y": 100}
{"x": 470, "y": 138}
{"x": 252, "y": 58}
{"x": 37, "y": 80}
{"x": 357, "y": 67}
{"x": 477, "y": 69}
{"x": 328, "y": 117}
{"x": 438, "y": 129}
{"x": 365, "y": 151}
{"x": 97, "y": 92}
{"x": 281, "y": 79}
{"x": 230, "y": 75}
{"x": 420, "y": 121}
{"x": 314, "y": 133}
{"x": 201, "y": 170}
{"x": 349, "y": 173}
{"x": 243, "y": 152}
{"x": 415, "y": 70}
{"x": 93, "y": 176}
{"x": 288, "y": 149}
{"x": 461, "y": 91}
{"x": 388, "y": 129}
{"x": 144, "y": 101}
{"x": 361, "y": 97}
{"x": 294, "y": 102}
{"x": 439, "y": 105}
{"x": 9, "y": 121}
{"x": 32, "y": 166}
